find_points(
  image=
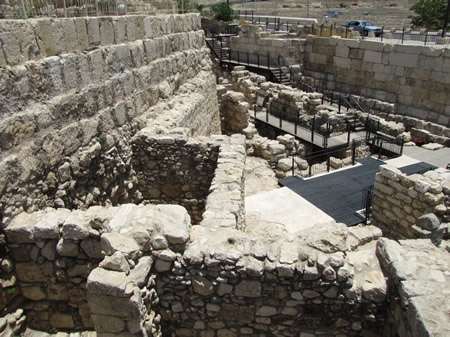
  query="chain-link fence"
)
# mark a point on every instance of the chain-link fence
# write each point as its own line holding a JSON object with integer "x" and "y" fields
{"x": 23, "y": 9}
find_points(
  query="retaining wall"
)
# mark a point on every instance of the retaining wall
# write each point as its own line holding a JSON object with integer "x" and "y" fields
{"x": 74, "y": 92}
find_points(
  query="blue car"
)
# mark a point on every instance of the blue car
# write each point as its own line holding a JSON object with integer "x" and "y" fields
{"x": 363, "y": 27}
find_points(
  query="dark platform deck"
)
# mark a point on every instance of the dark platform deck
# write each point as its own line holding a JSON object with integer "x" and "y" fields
{"x": 340, "y": 194}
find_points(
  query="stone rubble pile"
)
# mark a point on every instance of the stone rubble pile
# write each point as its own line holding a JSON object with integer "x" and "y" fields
{"x": 12, "y": 324}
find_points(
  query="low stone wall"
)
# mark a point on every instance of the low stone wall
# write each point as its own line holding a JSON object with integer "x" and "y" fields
{"x": 401, "y": 200}
{"x": 418, "y": 301}
{"x": 143, "y": 270}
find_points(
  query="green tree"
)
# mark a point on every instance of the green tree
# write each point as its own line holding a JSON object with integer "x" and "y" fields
{"x": 429, "y": 14}
{"x": 223, "y": 12}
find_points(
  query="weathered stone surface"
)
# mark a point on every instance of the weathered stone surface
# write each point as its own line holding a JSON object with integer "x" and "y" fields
{"x": 429, "y": 222}
{"x": 107, "y": 282}
{"x": 140, "y": 272}
{"x": 248, "y": 289}
{"x": 112, "y": 242}
{"x": 202, "y": 286}
{"x": 116, "y": 262}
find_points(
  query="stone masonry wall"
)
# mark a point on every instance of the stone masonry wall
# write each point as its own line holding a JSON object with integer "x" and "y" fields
{"x": 401, "y": 200}
{"x": 173, "y": 168}
{"x": 159, "y": 275}
{"x": 414, "y": 78}
{"x": 74, "y": 92}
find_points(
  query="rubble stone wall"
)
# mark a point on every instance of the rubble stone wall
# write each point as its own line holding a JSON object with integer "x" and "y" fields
{"x": 414, "y": 78}
{"x": 142, "y": 270}
{"x": 400, "y": 200}
{"x": 172, "y": 169}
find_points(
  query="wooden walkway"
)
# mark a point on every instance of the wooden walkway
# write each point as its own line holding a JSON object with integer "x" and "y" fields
{"x": 306, "y": 134}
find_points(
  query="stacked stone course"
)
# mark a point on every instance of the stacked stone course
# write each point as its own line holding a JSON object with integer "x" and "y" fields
{"x": 401, "y": 200}
{"x": 58, "y": 116}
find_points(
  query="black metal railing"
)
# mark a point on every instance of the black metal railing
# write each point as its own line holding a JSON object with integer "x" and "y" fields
{"x": 366, "y": 202}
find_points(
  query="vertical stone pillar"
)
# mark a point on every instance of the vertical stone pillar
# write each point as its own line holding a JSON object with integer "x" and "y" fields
{"x": 116, "y": 305}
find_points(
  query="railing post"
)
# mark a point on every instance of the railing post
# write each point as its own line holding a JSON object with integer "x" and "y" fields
{"x": 382, "y": 33}
{"x": 328, "y": 163}
{"x": 281, "y": 118}
{"x": 313, "y": 127}
{"x": 252, "y": 16}
{"x": 346, "y": 31}
{"x": 348, "y": 134}
{"x": 296, "y": 122}
{"x": 332, "y": 94}
{"x": 258, "y": 59}
{"x": 426, "y": 36}
{"x": 248, "y": 58}
{"x": 309, "y": 168}
{"x": 238, "y": 57}
{"x": 403, "y": 34}
{"x": 267, "y": 115}
{"x": 268, "y": 61}
{"x": 353, "y": 152}
{"x": 254, "y": 110}
{"x": 245, "y": 15}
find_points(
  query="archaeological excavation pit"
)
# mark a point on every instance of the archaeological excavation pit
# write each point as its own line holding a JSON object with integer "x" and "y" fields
{"x": 123, "y": 206}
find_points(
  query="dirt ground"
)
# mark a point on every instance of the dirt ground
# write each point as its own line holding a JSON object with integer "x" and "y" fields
{"x": 387, "y": 13}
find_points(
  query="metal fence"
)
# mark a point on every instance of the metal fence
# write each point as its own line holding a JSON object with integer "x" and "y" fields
{"x": 395, "y": 36}
{"x": 23, "y": 9}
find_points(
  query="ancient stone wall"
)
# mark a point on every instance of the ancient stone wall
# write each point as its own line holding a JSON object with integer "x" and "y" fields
{"x": 138, "y": 270}
{"x": 400, "y": 201}
{"x": 74, "y": 92}
{"x": 173, "y": 167}
{"x": 414, "y": 78}
{"x": 418, "y": 301}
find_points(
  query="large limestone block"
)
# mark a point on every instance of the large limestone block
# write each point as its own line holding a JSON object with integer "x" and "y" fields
{"x": 82, "y": 34}
{"x": 175, "y": 223}
{"x": 403, "y": 59}
{"x": 106, "y": 31}
{"x": 48, "y": 226}
{"x": 107, "y": 282}
{"x": 76, "y": 226}
{"x": 93, "y": 30}
{"x": 113, "y": 242}
{"x": 70, "y": 35}
{"x": 21, "y": 229}
{"x": 50, "y": 36}
{"x": 18, "y": 42}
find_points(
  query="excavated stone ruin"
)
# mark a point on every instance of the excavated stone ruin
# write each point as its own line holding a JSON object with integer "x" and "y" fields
{"x": 123, "y": 207}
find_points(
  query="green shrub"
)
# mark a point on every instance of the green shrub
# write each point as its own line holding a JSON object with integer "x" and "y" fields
{"x": 223, "y": 12}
